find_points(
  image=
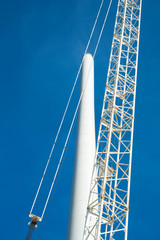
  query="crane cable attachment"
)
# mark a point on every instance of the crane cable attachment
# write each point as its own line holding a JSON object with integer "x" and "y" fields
{"x": 34, "y": 218}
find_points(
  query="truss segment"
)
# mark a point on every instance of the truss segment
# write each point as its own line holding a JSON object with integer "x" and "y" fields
{"x": 110, "y": 187}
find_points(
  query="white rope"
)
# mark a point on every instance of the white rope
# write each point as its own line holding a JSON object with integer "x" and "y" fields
{"x": 76, "y": 111}
{"x": 60, "y": 126}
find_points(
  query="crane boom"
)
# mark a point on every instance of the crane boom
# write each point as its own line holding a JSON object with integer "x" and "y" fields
{"x": 112, "y": 167}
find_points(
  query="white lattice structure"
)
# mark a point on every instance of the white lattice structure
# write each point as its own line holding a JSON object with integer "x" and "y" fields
{"x": 109, "y": 206}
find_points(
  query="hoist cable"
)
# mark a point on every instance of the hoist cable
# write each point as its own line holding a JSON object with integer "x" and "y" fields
{"x": 82, "y": 93}
{"x": 106, "y": 16}
{"x": 53, "y": 192}
{"x": 61, "y": 123}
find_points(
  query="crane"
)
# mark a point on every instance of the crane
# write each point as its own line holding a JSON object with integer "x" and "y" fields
{"x": 107, "y": 209}
{"x": 112, "y": 166}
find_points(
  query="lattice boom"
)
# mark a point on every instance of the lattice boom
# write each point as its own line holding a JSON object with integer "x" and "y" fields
{"x": 110, "y": 188}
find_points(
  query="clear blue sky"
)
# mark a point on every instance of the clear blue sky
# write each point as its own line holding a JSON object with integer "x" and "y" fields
{"x": 41, "y": 46}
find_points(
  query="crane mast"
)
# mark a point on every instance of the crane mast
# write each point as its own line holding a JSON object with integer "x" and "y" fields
{"x": 110, "y": 186}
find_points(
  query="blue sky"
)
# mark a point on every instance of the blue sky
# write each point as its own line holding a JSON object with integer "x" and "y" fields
{"x": 41, "y": 46}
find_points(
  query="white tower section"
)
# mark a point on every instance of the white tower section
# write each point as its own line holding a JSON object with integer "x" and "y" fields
{"x": 85, "y": 153}
{"x": 112, "y": 168}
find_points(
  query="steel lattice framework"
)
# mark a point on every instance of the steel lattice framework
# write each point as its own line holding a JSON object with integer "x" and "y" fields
{"x": 107, "y": 212}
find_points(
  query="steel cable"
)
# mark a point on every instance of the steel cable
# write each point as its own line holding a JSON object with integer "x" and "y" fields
{"x": 76, "y": 111}
{"x": 61, "y": 123}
